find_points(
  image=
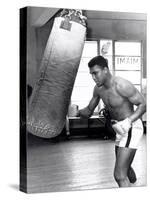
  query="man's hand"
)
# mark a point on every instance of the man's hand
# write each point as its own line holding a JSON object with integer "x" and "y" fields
{"x": 85, "y": 112}
{"x": 73, "y": 110}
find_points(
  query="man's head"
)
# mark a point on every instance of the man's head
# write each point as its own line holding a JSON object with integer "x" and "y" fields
{"x": 99, "y": 69}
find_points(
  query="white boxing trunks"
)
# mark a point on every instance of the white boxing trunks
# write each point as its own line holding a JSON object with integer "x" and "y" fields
{"x": 132, "y": 138}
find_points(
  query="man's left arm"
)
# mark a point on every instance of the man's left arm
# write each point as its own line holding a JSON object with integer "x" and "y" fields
{"x": 129, "y": 91}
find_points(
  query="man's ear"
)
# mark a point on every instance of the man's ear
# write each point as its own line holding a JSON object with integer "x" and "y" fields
{"x": 105, "y": 69}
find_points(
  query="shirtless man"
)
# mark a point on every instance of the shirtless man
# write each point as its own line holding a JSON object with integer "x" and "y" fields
{"x": 119, "y": 96}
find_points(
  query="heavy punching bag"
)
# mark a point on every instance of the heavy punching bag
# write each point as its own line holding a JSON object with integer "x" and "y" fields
{"x": 48, "y": 104}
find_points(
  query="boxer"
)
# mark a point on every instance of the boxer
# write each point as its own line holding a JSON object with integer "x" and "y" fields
{"x": 119, "y": 96}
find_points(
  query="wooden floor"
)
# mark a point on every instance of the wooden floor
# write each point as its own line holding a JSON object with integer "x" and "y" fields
{"x": 76, "y": 164}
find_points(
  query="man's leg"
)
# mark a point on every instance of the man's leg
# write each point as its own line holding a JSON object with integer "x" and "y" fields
{"x": 124, "y": 158}
{"x": 131, "y": 173}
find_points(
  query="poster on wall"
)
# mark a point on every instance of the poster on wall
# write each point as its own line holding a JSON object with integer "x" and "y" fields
{"x": 82, "y": 102}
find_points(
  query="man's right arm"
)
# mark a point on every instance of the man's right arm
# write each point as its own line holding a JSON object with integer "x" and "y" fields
{"x": 88, "y": 110}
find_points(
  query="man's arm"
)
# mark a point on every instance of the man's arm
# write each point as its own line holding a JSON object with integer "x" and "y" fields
{"x": 88, "y": 110}
{"x": 127, "y": 90}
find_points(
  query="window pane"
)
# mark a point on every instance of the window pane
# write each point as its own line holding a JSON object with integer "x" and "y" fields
{"x": 83, "y": 67}
{"x": 144, "y": 86}
{"x": 90, "y": 49}
{"x": 133, "y": 76}
{"x": 106, "y": 51}
{"x": 109, "y": 59}
{"x": 128, "y": 48}
{"x": 127, "y": 63}
{"x": 84, "y": 84}
{"x": 82, "y": 93}
{"x": 84, "y": 79}
{"x": 106, "y": 47}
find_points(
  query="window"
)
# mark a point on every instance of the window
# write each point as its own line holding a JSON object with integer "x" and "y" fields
{"x": 106, "y": 50}
{"x": 128, "y": 61}
{"x": 83, "y": 87}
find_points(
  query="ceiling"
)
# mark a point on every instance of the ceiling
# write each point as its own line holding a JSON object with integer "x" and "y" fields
{"x": 40, "y": 15}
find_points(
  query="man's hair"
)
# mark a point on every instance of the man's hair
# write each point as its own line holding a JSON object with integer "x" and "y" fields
{"x": 98, "y": 60}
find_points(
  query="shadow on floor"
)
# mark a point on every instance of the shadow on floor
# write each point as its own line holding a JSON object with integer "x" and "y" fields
{"x": 14, "y": 187}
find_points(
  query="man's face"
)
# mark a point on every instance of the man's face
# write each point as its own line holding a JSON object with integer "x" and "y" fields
{"x": 98, "y": 75}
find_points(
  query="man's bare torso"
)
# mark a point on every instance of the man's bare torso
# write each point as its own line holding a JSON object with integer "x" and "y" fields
{"x": 118, "y": 105}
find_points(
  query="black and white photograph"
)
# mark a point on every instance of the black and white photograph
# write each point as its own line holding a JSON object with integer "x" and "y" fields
{"x": 83, "y": 83}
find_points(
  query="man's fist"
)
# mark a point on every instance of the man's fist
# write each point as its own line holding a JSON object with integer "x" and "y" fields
{"x": 73, "y": 110}
{"x": 85, "y": 112}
